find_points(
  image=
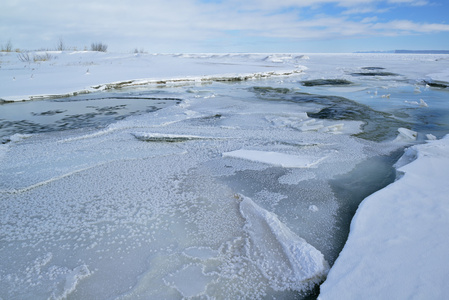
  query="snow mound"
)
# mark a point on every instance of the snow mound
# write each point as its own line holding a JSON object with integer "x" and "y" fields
{"x": 285, "y": 259}
{"x": 398, "y": 240}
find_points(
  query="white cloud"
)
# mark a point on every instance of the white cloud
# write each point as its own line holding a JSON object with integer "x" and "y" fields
{"x": 410, "y": 2}
{"x": 364, "y": 10}
{"x": 411, "y": 27}
{"x": 171, "y": 24}
{"x": 369, "y": 20}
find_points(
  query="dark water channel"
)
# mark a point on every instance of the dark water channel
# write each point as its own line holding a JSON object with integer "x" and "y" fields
{"x": 85, "y": 111}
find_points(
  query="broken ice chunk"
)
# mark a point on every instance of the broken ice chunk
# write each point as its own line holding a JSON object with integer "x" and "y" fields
{"x": 421, "y": 103}
{"x": 310, "y": 125}
{"x": 167, "y": 138}
{"x": 431, "y": 137}
{"x": 336, "y": 128}
{"x": 406, "y": 135}
{"x": 285, "y": 259}
{"x": 275, "y": 158}
{"x": 313, "y": 208}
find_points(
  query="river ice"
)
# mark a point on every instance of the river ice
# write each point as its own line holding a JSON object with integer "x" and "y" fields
{"x": 230, "y": 192}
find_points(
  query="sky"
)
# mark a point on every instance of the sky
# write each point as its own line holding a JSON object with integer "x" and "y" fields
{"x": 192, "y": 26}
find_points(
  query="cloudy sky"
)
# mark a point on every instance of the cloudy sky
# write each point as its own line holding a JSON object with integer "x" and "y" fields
{"x": 175, "y": 26}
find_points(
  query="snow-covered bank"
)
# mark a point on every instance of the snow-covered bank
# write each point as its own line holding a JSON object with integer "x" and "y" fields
{"x": 47, "y": 74}
{"x": 398, "y": 243}
{"x": 60, "y": 74}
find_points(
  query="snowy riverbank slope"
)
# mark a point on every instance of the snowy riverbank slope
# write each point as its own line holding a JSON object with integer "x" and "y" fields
{"x": 47, "y": 73}
{"x": 398, "y": 242}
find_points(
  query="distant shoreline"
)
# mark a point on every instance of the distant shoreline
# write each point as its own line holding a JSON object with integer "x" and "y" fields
{"x": 409, "y": 51}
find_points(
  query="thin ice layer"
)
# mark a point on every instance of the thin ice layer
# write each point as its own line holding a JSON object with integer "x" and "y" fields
{"x": 190, "y": 281}
{"x": 285, "y": 259}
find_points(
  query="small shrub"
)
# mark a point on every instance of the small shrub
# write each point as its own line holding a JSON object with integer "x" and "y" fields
{"x": 139, "y": 51}
{"x": 44, "y": 57}
{"x": 24, "y": 57}
{"x": 98, "y": 47}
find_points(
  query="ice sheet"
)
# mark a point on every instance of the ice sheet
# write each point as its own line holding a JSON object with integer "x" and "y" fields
{"x": 150, "y": 209}
{"x": 190, "y": 281}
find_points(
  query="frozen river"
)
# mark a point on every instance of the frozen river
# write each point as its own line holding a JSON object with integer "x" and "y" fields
{"x": 239, "y": 189}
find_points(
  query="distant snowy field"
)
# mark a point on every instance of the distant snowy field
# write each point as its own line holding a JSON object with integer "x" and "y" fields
{"x": 66, "y": 73}
{"x": 236, "y": 189}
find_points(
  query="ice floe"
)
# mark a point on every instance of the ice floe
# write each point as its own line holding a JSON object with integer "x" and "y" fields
{"x": 167, "y": 138}
{"x": 275, "y": 158}
{"x": 406, "y": 135}
{"x": 285, "y": 259}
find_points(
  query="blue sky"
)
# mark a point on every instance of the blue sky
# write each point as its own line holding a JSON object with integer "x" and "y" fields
{"x": 174, "y": 26}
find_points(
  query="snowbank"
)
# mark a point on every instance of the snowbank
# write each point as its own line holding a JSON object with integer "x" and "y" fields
{"x": 398, "y": 243}
{"x": 66, "y": 73}
{"x": 79, "y": 72}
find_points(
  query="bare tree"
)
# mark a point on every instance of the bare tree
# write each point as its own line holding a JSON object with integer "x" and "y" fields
{"x": 61, "y": 45}
{"x": 7, "y": 47}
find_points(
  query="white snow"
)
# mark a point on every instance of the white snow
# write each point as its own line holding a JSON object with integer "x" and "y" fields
{"x": 68, "y": 73}
{"x": 75, "y": 72}
{"x": 398, "y": 243}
